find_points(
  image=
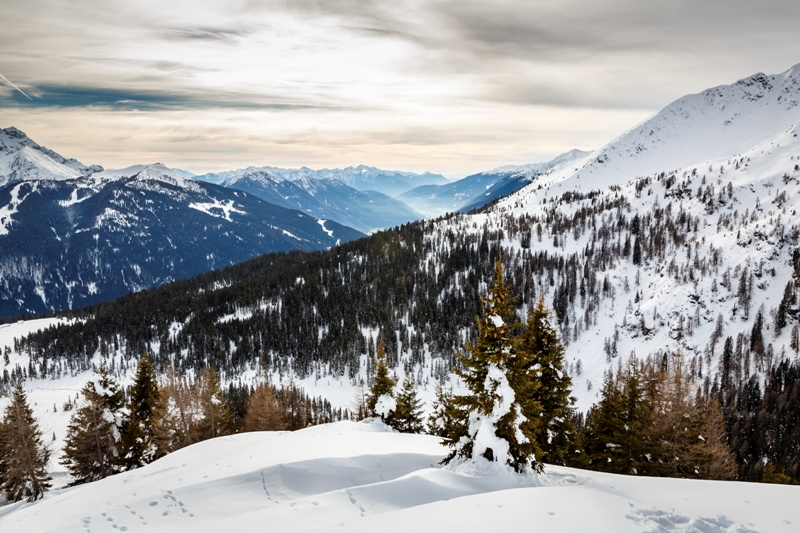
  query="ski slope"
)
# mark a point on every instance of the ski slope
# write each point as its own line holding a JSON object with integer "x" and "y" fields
{"x": 364, "y": 477}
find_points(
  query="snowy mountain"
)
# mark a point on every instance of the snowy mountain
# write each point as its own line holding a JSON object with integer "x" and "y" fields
{"x": 364, "y": 477}
{"x": 22, "y": 159}
{"x": 362, "y": 178}
{"x": 480, "y": 189}
{"x": 326, "y": 198}
{"x": 69, "y": 240}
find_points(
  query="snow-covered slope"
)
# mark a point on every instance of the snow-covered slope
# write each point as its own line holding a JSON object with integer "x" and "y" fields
{"x": 716, "y": 124}
{"x": 362, "y": 178}
{"x": 23, "y": 159}
{"x": 362, "y": 477}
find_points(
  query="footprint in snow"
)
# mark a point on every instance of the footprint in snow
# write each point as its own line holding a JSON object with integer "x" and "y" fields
{"x": 152, "y": 504}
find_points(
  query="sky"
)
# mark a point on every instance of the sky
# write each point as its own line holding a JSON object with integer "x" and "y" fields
{"x": 454, "y": 87}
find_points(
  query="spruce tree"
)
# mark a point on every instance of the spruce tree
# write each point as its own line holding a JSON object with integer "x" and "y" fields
{"x": 264, "y": 412}
{"x": 543, "y": 353}
{"x": 382, "y": 386}
{"x": 408, "y": 414}
{"x": 138, "y": 439}
{"x": 23, "y": 455}
{"x": 92, "y": 444}
{"x": 603, "y": 425}
{"x": 500, "y": 412}
{"x": 445, "y": 421}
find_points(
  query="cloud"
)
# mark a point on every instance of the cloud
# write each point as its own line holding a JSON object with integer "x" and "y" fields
{"x": 64, "y": 96}
{"x": 463, "y": 83}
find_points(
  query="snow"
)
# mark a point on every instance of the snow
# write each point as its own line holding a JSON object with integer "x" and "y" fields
{"x": 326, "y": 230}
{"x": 364, "y": 477}
{"x": 496, "y": 320}
{"x": 213, "y": 209}
{"x": 384, "y": 405}
{"x": 8, "y": 210}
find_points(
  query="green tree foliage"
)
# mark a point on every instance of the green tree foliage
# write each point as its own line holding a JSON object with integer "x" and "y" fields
{"x": 539, "y": 346}
{"x": 382, "y": 384}
{"x": 445, "y": 420}
{"x": 92, "y": 443}
{"x": 501, "y": 413}
{"x": 408, "y": 414}
{"x": 23, "y": 455}
{"x": 617, "y": 430}
{"x": 138, "y": 438}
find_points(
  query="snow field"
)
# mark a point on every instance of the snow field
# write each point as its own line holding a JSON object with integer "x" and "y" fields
{"x": 364, "y": 477}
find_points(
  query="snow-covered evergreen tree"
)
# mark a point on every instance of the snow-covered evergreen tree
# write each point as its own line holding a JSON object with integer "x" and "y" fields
{"x": 380, "y": 400}
{"x": 23, "y": 454}
{"x": 497, "y": 428}
{"x": 92, "y": 444}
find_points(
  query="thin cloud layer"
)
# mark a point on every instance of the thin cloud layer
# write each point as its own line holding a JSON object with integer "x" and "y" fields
{"x": 439, "y": 85}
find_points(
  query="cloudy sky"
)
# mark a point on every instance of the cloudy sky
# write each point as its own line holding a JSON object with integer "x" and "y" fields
{"x": 447, "y": 86}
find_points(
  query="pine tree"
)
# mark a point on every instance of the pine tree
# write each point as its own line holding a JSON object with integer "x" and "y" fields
{"x": 500, "y": 422}
{"x": 603, "y": 426}
{"x": 215, "y": 417}
{"x": 618, "y": 430}
{"x": 543, "y": 353}
{"x": 138, "y": 439}
{"x": 23, "y": 455}
{"x": 445, "y": 421}
{"x": 264, "y": 412}
{"x": 408, "y": 414}
{"x": 92, "y": 444}
{"x": 382, "y": 388}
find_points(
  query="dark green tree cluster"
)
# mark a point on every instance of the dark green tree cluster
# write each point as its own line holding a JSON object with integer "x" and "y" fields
{"x": 23, "y": 454}
{"x": 501, "y": 418}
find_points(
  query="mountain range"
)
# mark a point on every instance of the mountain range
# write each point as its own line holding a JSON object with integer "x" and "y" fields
{"x": 329, "y": 198}
{"x": 72, "y": 235}
{"x": 362, "y": 178}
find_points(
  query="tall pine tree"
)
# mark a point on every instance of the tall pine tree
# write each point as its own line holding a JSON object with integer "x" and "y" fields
{"x": 23, "y": 455}
{"x": 543, "y": 355}
{"x": 408, "y": 414}
{"x": 500, "y": 411}
{"x": 138, "y": 439}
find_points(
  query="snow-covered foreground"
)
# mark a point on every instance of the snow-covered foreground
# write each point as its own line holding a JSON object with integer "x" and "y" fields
{"x": 363, "y": 477}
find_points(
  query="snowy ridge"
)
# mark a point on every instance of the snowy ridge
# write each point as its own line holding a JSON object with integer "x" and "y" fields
{"x": 697, "y": 129}
{"x": 367, "y": 478}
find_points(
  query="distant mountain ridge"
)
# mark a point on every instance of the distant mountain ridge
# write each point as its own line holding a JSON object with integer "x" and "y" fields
{"x": 327, "y": 198}
{"x": 362, "y": 177}
{"x": 479, "y": 189}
